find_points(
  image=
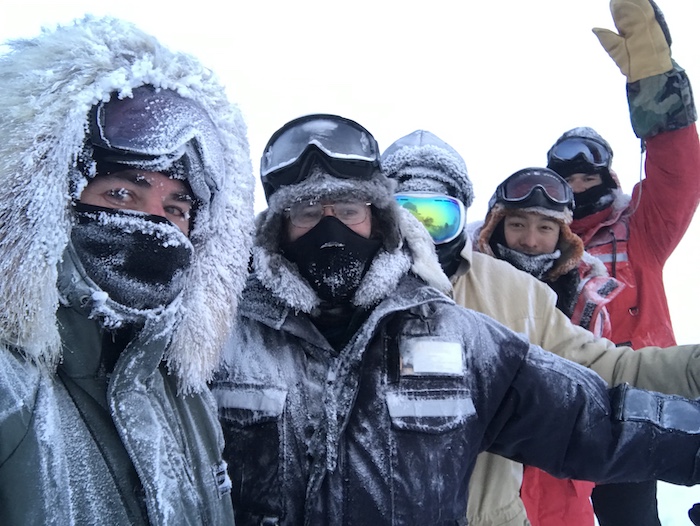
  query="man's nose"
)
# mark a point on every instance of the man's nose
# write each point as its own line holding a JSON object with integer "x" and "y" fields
{"x": 577, "y": 186}
{"x": 529, "y": 239}
{"x": 155, "y": 207}
{"x": 328, "y": 210}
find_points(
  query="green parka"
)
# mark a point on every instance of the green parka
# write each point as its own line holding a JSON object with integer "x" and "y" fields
{"x": 105, "y": 413}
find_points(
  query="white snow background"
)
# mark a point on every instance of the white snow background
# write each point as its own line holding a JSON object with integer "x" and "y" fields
{"x": 499, "y": 81}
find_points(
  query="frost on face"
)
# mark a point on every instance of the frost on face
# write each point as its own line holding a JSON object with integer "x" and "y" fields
{"x": 159, "y": 128}
{"x": 536, "y": 265}
{"x": 138, "y": 262}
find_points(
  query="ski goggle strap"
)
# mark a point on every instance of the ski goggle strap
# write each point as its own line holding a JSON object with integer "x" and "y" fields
{"x": 532, "y": 187}
{"x": 580, "y": 149}
{"x": 443, "y": 216}
{"x": 347, "y": 149}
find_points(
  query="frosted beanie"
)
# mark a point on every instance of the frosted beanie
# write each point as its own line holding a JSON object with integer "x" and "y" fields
{"x": 422, "y": 162}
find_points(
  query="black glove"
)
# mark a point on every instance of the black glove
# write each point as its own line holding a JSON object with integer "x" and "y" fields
{"x": 694, "y": 514}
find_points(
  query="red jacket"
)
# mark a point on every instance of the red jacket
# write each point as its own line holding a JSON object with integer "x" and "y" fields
{"x": 634, "y": 241}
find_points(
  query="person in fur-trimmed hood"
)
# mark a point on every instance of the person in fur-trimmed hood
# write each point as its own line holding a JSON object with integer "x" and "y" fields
{"x": 353, "y": 391}
{"x": 527, "y": 225}
{"x": 125, "y": 206}
{"x": 529, "y": 228}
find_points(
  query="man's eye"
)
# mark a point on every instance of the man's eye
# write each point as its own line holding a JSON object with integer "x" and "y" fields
{"x": 178, "y": 211}
{"x": 309, "y": 212}
{"x": 119, "y": 194}
{"x": 348, "y": 213}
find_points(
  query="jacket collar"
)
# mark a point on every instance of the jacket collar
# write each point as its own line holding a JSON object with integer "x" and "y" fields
{"x": 587, "y": 227}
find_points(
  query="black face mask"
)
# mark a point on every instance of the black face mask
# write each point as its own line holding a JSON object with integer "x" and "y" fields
{"x": 138, "y": 260}
{"x": 592, "y": 200}
{"x": 449, "y": 254}
{"x": 332, "y": 258}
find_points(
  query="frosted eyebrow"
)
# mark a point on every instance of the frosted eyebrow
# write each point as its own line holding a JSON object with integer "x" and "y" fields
{"x": 183, "y": 197}
{"x": 137, "y": 178}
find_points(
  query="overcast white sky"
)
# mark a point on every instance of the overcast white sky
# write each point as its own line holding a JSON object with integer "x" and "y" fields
{"x": 498, "y": 80}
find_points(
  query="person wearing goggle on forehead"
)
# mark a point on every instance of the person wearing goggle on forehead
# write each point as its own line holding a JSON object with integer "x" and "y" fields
{"x": 382, "y": 390}
{"x": 422, "y": 163}
{"x": 127, "y": 206}
{"x": 635, "y": 235}
{"x": 584, "y": 159}
{"x": 527, "y": 225}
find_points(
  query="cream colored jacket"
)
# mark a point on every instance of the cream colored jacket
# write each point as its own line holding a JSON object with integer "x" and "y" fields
{"x": 527, "y": 305}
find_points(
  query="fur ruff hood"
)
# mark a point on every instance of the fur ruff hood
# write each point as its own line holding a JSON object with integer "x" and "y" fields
{"x": 415, "y": 252}
{"x": 49, "y": 83}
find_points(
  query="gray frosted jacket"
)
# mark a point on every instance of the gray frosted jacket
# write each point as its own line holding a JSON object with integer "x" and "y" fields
{"x": 55, "y": 468}
{"x": 387, "y": 430}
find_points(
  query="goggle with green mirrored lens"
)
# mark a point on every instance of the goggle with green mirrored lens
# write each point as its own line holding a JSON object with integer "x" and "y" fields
{"x": 442, "y": 215}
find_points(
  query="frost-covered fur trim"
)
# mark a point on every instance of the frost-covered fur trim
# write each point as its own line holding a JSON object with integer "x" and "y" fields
{"x": 48, "y": 85}
{"x": 416, "y": 253}
{"x": 570, "y": 245}
{"x": 597, "y": 267}
{"x": 425, "y": 261}
{"x": 413, "y": 166}
{"x": 621, "y": 200}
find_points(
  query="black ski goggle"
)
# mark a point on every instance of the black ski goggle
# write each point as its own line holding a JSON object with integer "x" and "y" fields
{"x": 346, "y": 149}
{"x": 154, "y": 128}
{"x": 532, "y": 187}
{"x": 584, "y": 150}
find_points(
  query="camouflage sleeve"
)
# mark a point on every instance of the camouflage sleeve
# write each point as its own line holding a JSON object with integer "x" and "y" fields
{"x": 661, "y": 103}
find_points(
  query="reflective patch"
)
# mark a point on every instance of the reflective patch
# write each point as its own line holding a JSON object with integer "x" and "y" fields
{"x": 667, "y": 412}
{"x": 266, "y": 400}
{"x": 402, "y": 406}
{"x": 608, "y": 258}
{"x": 427, "y": 356}
{"x": 223, "y": 482}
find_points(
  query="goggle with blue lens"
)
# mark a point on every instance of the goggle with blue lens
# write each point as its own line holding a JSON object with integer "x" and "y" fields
{"x": 344, "y": 147}
{"x": 442, "y": 215}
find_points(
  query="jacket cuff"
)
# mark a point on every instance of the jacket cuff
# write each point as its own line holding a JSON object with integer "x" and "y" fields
{"x": 661, "y": 103}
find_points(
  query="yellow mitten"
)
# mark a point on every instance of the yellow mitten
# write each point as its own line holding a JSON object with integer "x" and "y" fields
{"x": 642, "y": 47}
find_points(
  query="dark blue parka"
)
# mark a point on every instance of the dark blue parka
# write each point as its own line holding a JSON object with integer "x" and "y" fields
{"x": 386, "y": 431}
